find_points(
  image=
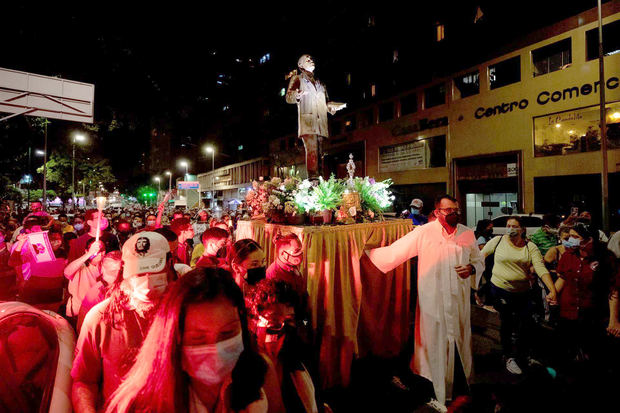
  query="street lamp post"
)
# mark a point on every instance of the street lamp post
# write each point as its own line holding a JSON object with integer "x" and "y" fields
{"x": 169, "y": 181}
{"x": 210, "y": 149}
{"x": 186, "y": 165}
{"x": 78, "y": 138}
{"x": 158, "y": 180}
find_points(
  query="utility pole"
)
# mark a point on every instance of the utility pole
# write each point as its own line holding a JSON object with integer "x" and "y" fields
{"x": 29, "y": 170}
{"x": 603, "y": 121}
{"x": 45, "y": 168}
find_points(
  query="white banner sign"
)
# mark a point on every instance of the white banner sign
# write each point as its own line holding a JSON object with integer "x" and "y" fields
{"x": 404, "y": 156}
{"x": 40, "y": 247}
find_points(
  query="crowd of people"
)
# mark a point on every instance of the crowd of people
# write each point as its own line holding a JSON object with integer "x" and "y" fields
{"x": 173, "y": 313}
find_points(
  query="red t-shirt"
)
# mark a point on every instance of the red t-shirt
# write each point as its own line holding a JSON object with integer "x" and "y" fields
{"x": 577, "y": 273}
{"x": 105, "y": 353}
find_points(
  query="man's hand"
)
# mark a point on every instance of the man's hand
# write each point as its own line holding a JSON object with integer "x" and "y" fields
{"x": 299, "y": 93}
{"x": 464, "y": 271}
{"x": 613, "y": 329}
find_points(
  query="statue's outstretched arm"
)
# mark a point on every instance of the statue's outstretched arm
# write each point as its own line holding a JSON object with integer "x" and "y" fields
{"x": 293, "y": 89}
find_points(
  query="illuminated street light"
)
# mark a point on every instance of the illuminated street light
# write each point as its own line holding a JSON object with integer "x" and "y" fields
{"x": 169, "y": 180}
{"x": 210, "y": 149}
{"x": 158, "y": 180}
{"x": 39, "y": 152}
{"x": 76, "y": 138}
{"x": 186, "y": 166}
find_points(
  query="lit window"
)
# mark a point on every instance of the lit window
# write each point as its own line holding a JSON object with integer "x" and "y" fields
{"x": 225, "y": 108}
{"x": 282, "y": 92}
{"x": 439, "y": 32}
{"x": 266, "y": 57}
{"x": 240, "y": 147}
{"x": 395, "y": 56}
{"x": 348, "y": 79}
{"x": 373, "y": 90}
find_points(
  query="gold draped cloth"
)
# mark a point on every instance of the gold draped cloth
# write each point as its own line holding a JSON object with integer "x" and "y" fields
{"x": 356, "y": 310}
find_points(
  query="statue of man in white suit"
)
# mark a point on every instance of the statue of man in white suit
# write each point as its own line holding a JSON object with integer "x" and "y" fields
{"x": 311, "y": 98}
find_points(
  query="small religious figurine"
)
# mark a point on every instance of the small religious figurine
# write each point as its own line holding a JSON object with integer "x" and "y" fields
{"x": 351, "y": 169}
{"x": 351, "y": 202}
{"x": 311, "y": 98}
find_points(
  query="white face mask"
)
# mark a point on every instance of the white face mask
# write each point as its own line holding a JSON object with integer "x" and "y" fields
{"x": 145, "y": 288}
{"x": 212, "y": 363}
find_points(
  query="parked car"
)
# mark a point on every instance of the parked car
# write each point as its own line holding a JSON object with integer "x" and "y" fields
{"x": 532, "y": 223}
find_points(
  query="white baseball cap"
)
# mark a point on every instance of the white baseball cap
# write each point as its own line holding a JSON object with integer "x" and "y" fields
{"x": 417, "y": 203}
{"x": 144, "y": 252}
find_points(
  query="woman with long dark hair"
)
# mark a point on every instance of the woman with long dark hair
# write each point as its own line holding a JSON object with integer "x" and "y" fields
{"x": 196, "y": 356}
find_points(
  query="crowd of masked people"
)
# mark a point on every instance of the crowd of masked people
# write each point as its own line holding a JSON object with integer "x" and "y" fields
{"x": 562, "y": 279}
{"x": 171, "y": 313}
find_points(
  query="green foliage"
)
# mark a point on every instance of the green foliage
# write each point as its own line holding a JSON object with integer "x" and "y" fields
{"x": 328, "y": 193}
{"x": 36, "y": 194}
{"x": 374, "y": 196}
{"x": 92, "y": 170}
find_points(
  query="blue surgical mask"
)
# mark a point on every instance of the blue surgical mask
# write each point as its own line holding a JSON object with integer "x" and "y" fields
{"x": 415, "y": 211}
{"x": 513, "y": 232}
{"x": 78, "y": 227}
{"x": 573, "y": 242}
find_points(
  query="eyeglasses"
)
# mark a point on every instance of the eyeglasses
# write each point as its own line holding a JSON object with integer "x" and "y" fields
{"x": 450, "y": 210}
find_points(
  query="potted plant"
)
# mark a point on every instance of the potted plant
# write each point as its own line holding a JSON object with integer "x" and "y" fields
{"x": 374, "y": 196}
{"x": 328, "y": 196}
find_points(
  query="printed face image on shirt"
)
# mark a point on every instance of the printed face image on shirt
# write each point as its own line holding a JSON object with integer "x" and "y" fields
{"x": 38, "y": 248}
{"x": 142, "y": 246}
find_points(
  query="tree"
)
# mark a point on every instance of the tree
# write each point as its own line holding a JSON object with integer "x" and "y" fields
{"x": 90, "y": 169}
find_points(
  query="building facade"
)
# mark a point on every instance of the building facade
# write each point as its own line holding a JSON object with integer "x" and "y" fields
{"x": 518, "y": 133}
{"x": 226, "y": 187}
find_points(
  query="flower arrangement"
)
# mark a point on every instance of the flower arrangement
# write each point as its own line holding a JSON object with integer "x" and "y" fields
{"x": 274, "y": 199}
{"x": 375, "y": 196}
{"x": 279, "y": 199}
{"x": 256, "y": 198}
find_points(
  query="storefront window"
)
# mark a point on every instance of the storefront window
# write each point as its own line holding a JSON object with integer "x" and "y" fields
{"x": 575, "y": 131}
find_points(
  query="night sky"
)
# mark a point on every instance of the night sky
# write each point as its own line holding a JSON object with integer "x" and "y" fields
{"x": 156, "y": 66}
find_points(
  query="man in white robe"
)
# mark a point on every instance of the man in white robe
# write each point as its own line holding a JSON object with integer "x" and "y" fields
{"x": 447, "y": 255}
